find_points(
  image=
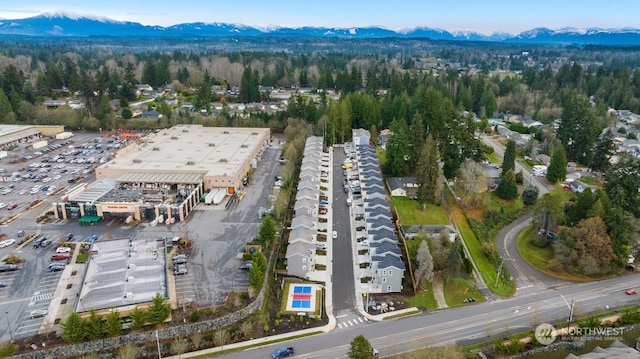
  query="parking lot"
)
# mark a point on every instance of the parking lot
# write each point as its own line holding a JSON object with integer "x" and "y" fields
{"x": 29, "y": 174}
{"x": 219, "y": 237}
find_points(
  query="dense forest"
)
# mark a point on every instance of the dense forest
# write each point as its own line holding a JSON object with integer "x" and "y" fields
{"x": 441, "y": 91}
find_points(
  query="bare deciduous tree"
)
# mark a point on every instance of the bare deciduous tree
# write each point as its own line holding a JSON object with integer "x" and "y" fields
{"x": 424, "y": 272}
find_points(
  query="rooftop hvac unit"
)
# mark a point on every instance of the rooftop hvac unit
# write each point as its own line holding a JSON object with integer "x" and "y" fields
{"x": 128, "y": 295}
{"x": 131, "y": 279}
{"x": 131, "y": 266}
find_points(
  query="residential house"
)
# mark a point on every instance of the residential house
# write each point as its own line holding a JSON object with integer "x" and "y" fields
{"x": 302, "y": 234}
{"x": 388, "y": 273}
{"x": 300, "y": 258}
{"x": 304, "y": 221}
{"x": 151, "y": 115}
{"x": 360, "y": 137}
{"x": 398, "y": 185}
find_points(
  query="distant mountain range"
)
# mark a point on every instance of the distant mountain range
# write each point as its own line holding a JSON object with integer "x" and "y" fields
{"x": 67, "y": 25}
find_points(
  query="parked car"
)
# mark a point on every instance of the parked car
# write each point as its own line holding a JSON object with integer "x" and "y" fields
{"x": 334, "y": 234}
{"x": 3, "y": 284}
{"x": 179, "y": 261}
{"x": 93, "y": 238}
{"x": 247, "y": 265}
{"x": 38, "y": 313}
{"x": 63, "y": 250}
{"x": 179, "y": 256}
{"x": 12, "y": 206}
{"x": 321, "y": 245}
{"x": 7, "y": 242}
{"x": 631, "y": 291}
{"x": 8, "y": 267}
{"x": 60, "y": 257}
{"x": 57, "y": 268}
{"x": 180, "y": 270}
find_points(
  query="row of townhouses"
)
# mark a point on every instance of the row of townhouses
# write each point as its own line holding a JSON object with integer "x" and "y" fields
{"x": 381, "y": 268}
{"x": 305, "y": 253}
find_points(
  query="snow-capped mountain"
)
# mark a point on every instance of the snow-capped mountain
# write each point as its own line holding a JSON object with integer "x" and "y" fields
{"x": 73, "y": 25}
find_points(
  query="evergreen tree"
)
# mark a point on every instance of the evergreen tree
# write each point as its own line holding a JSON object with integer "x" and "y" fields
{"x": 138, "y": 318}
{"x": 5, "y": 106}
{"x": 622, "y": 183}
{"x": 509, "y": 160}
{"x": 605, "y": 148}
{"x": 530, "y": 195}
{"x": 557, "y": 170}
{"x": 159, "y": 310}
{"x": 508, "y": 189}
{"x": 578, "y": 129}
{"x": 112, "y": 323}
{"x": 267, "y": 231}
{"x": 95, "y": 327}
{"x": 360, "y": 348}
{"x": 428, "y": 173}
{"x": 74, "y": 328}
{"x": 398, "y": 151}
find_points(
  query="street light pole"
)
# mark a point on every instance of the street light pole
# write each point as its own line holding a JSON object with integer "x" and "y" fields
{"x": 6, "y": 315}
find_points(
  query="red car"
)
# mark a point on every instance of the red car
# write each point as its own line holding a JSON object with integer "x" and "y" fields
{"x": 60, "y": 257}
{"x": 631, "y": 291}
{"x": 12, "y": 206}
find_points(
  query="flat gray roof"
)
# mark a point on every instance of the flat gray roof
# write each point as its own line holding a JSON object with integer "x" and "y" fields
{"x": 189, "y": 149}
{"x": 145, "y": 177}
{"x": 10, "y": 133}
{"x": 121, "y": 274}
{"x": 95, "y": 192}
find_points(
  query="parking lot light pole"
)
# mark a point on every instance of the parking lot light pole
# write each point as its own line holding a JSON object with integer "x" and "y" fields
{"x": 6, "y": 315}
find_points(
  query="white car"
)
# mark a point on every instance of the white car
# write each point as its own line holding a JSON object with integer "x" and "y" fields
{"x": 57, "y": 177}
{"x": 46, "y": 180}
{"x": 7, "y": 243}
{"x": 2, "y": 204}
{"x": 38, "y": 313}
{"x": 33, "y": 191}
{"x": 334, "y": 234}
{"x": 22, "y": 192}
{"x": 63, "y": 250}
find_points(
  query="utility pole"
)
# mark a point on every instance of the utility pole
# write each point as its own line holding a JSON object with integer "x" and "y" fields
{"x": 6, "y": 315}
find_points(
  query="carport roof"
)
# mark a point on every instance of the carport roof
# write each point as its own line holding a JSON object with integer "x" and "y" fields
{"x": 154, "y": 177}
{"x": 123, "y": 273}
{"x": 95, "y": 192}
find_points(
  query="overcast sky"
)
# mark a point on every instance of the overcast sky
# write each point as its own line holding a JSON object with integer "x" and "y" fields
{"x": 483, "y": 16}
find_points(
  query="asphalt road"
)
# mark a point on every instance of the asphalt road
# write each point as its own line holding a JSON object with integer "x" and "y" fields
{"x": 464, "y": 325}
{"x": 343, "y": 272}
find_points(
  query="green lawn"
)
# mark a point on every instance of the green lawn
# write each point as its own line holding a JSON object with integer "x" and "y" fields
{"x": 504, "y": 287}
{"x": 494, "y": 158}
{"x": 424, "y": 299}
{"x": 535, "y": 256}
{"x": 411, "y": 213}
{"x": 539, "y": 257}
{"x": 456, "y": 290}
{"x": 589, "y": 180}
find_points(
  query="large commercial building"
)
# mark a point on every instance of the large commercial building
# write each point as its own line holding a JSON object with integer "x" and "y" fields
{"x": 164, "y": 175}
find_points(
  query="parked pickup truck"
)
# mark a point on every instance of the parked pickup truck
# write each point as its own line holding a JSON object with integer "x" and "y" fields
{"x": 282, "y": 353}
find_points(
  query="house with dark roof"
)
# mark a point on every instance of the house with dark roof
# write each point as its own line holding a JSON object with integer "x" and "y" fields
{"x": 388, "y": 272}
{"x": 398, "y": 185}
